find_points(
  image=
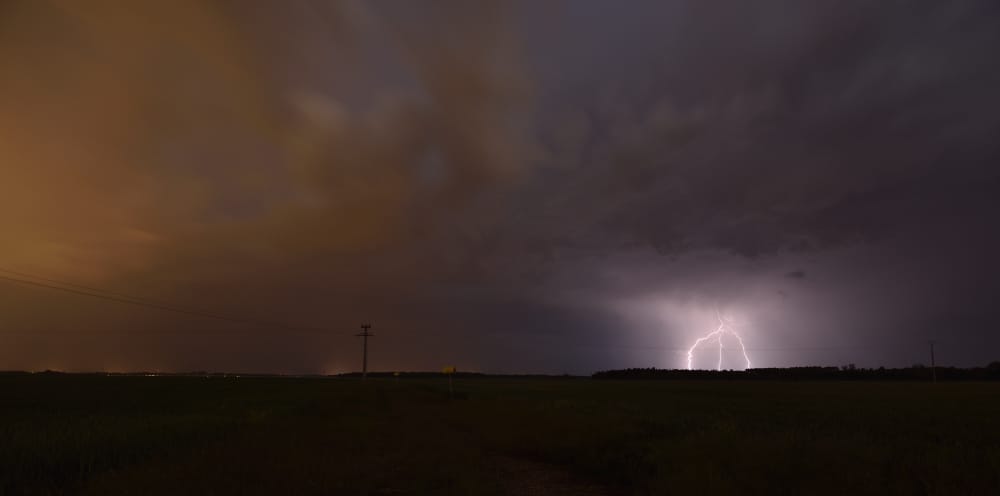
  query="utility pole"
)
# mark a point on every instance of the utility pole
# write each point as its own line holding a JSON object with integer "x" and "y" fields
{"x": 364, "y": 334}
{"x": 933, "y": 366}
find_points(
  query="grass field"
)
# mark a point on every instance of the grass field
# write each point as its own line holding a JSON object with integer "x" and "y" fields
{"x": 94, "y": 434}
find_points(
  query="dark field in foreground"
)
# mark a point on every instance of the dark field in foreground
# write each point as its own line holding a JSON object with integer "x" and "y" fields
{"x": 191, "y": 435}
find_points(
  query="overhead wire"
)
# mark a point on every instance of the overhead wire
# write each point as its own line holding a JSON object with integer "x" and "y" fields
{"x": 82, "y": 290}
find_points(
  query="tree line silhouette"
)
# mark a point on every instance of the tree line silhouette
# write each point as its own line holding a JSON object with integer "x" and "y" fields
{"x": 850, "y": 372}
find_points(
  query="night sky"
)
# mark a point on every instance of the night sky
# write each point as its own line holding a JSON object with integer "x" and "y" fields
{"x": 556, "y": 187}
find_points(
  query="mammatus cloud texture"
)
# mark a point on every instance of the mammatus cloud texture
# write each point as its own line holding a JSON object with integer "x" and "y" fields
{"x": 503, "y": 186}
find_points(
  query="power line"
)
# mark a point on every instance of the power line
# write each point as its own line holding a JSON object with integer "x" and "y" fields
{"x": 78, "y": 289}
{"x": 74, "y": 285}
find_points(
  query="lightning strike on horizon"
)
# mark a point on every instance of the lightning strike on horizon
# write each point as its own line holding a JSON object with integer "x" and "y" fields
{"x": 719, "y": 367}
{"x": 717, "y": 334}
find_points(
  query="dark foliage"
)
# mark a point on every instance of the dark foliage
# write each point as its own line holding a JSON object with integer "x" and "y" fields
{"x": 846, "y": 373}
{"x": 101, "y": 435}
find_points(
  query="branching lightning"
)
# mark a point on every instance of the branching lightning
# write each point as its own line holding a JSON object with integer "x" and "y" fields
{"x": 717, "y": 335}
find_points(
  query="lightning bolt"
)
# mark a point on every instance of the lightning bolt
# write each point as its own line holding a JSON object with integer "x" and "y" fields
{"x": 717, "y": 334}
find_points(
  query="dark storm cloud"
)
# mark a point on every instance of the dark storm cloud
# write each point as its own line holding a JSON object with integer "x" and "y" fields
{"x": 499, "y": 185}
{"x": 794, "y": 131}
{"x": 778, "y": 131}
{"x": 839, "y": 133}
